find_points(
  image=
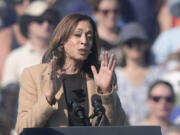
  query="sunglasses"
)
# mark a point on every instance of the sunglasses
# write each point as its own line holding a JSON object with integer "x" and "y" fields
{"x": 168, "y": 99}
{"x": 135, "y": 43}
{"x": 41, "y": 20}
{"x": 105, "y": 12}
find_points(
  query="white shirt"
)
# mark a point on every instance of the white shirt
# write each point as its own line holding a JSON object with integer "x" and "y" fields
{"x": 133, "y": 97}
{"x": 17, "y": 60}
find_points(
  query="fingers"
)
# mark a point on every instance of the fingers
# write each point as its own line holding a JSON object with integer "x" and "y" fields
{"x": 110, "y": 63}
{"x": 53, "y": 67}
{"x": 94, "y": 70}
{"x": 113, "y": 65}
{"x": 104, "y": 58}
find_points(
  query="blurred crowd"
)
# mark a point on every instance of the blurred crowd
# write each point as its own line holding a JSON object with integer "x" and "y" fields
{"x": 144, "y": 35}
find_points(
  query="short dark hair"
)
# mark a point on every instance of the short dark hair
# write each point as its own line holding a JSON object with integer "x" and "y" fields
{"x": 161, "y": 82}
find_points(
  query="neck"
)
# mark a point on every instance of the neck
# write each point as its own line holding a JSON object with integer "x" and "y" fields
{"x": 72, "y": 66}
{"x": 107, "y": 33}
{"x": 134, "y": 64}
{"x": 158, "y": 121}
{"x": 39, "y": 45}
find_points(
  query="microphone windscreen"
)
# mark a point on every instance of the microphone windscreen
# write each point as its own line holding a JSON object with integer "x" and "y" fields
{"x": 96, "y": 99}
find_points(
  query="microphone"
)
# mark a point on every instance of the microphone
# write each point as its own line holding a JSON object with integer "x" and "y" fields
{"x": 99, "y": 109}
{"x": 77, "y": 109}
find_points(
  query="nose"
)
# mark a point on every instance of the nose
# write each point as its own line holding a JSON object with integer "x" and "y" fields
{"x": 163, "y": 101}
{"x": 84, "y": 40}
{"x": 46, "y": 24}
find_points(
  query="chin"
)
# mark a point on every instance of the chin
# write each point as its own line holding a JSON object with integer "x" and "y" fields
{"x": 79, "y": 59}
{"x": 82, "y": 57}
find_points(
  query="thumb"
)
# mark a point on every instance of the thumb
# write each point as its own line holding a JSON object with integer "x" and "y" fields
{"x": 94, "y": 70}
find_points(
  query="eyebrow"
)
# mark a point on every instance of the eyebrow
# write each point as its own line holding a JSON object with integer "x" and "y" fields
{"x": 80, "y": 29}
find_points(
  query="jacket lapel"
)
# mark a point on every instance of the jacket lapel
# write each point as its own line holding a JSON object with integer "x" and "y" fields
{"x": 92, "y": 89}
{"x": 44, "y": 84}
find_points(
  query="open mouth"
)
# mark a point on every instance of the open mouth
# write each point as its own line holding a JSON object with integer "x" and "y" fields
{"x": 83, "y": 51}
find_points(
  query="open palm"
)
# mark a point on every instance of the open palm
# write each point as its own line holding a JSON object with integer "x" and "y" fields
{"x": 104, "y": 76}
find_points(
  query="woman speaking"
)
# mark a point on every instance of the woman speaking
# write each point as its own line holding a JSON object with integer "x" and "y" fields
{"x": 68, "y": 78}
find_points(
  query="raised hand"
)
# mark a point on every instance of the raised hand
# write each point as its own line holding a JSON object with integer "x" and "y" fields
{"x": 53, "y": 85}
{"x": 104, "y": 77}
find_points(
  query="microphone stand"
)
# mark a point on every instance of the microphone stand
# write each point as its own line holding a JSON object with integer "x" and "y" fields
{"x": 79, "y": 111}
{"x": 98, "y": 112}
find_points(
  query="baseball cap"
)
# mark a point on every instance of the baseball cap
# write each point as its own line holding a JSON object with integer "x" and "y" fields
{"x": 38, "y": 11}
{"x": 36, "y": 8}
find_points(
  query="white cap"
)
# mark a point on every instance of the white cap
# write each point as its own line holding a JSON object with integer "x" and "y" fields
{"x": 36, "y": 8}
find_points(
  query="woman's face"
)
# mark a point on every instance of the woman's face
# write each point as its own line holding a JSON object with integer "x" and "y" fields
{"x": 107, "y": 13}
{"x": 134, "y": 49}
{"x": 160, "y": 101}
{"x": 80, "y": 42}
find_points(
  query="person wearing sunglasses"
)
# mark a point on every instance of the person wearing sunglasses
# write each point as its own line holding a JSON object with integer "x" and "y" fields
{"x": 36, "y": 25}
{"x": 107, "y": 16}
{"x": 136, "y": 71}
{"x": 10, "y": 35}
{"x": 160, "y": 101}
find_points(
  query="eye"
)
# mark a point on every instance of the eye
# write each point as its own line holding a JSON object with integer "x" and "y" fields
{"x": 77, "y": 35}
{"x": 89, "y": 36}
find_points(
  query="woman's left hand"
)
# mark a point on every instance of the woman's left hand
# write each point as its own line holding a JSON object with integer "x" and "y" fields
{"x": 104, "y": 77}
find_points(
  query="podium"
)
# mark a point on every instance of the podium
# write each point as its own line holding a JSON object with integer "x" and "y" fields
{"x": 103, "y": 130}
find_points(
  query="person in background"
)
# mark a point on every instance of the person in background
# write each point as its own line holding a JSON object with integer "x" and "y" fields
{"x": 164, "y": 17}
{"x": 166, "y": 49}
{"x": 107, "y": 15}
{"x": 9, "y": 103}
{"x": 5, "y": 128}
{"x": 142, "y": 12}
{"x": 173, "y": 130}
{"x": 168, "y": 42}
{"x": 10, "y": 35}
{"x": 36, "y": 25}
{"x": 80, "y": 6}
{"x": 160, "y": 100}
{"x": 69, "y": 74}
{"x": 136, "y": 71}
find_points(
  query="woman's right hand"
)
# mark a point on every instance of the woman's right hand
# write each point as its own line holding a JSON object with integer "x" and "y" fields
{"x": 54, "y": 82}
